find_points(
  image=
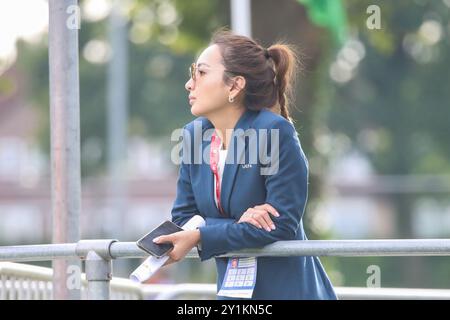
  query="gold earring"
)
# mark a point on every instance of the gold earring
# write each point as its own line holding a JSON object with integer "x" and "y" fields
{"x": 230, "y": 99}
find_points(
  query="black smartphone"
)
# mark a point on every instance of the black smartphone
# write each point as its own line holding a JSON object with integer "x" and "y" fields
{"x": 158, "y": 250}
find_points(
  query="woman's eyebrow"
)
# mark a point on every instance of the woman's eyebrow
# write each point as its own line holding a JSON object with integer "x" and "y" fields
{"x": 202, "y": 63}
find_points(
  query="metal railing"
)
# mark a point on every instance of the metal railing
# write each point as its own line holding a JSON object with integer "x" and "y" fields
{"x": 98, "y": 256}
{"x": 29, "y": 282}
{"x": 167, "y": 292}
{"x": 22, "y": 281}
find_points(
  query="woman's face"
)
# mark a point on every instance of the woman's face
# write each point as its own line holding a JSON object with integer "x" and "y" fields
{"x": 208, "y": 93}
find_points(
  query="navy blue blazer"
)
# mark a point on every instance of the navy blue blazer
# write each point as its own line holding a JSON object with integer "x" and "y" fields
{"x": 243, "y": 186}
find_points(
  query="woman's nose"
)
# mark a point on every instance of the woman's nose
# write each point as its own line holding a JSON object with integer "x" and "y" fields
{"x": 189, "y": 85}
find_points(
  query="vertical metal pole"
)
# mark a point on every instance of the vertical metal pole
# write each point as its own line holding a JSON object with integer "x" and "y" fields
{"x": 241, "y": 17}
{"x": 98, "y": 275}
{"x": 65, "y": 138}
{"x": 117, "y": 117}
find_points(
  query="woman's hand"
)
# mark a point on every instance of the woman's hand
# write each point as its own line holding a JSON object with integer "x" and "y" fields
{"x": 259, "y": 216}
{"x": 183, "y": 242}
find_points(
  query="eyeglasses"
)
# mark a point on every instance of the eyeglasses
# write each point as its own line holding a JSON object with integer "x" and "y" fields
{"x": 193, "y": 71}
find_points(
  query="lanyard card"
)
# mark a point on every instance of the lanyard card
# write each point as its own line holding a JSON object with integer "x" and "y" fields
{"x": 240, "y": 278}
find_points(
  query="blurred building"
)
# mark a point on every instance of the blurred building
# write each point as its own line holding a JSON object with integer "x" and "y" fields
{"x": 25, "y": 185}
{"x": 357, "y": 203}
{"x": 350, "y": 209}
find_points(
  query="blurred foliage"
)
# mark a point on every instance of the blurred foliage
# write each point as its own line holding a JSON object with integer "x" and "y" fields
{"x": 396, "y": 107}
{"x": 157, "y": 73}
{"x": 395, "y": 110}
{"x": 7, "y": 86}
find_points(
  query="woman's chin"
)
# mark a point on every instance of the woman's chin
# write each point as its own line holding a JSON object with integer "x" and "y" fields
{"x": 196, "y": 111}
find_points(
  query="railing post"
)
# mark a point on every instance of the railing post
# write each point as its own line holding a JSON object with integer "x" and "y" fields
{"x": 65, "y": 136}
{"x": 98, "y": 275}
{"x": 98, "y": 266}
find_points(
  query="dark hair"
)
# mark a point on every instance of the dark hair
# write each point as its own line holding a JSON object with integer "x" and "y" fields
{"x": 269, "y": 73}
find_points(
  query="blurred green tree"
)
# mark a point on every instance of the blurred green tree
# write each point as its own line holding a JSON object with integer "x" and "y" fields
{"x": 395, "y": 106}
{"x": 165, "y": 36}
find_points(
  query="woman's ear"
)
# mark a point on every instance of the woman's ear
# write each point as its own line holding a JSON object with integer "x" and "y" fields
{"x": 238, "y": 86}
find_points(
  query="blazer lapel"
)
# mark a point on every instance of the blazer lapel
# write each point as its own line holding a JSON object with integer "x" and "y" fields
{"x": 234, "y": 157}
{"x": 231, "y": 163}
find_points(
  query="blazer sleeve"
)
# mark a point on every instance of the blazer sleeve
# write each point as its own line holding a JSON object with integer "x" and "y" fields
{"x": 185, "y": 206}
{"x": 287, "y": 191}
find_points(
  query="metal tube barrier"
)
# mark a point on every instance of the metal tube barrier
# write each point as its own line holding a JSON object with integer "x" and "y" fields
{"x": 40, "y": 252}
{"x": 24, "y": 281}
{"x": 361, "y": 293}
{"x": 98, "y": 274}
{"x": 343, "y": 248}
{"x": 98, "y": 254}
{"x": 98, "y": 266}
{"x": 171, "y": 292}
{"x": 64, "y": 94}
{"x": 36, "y": 282}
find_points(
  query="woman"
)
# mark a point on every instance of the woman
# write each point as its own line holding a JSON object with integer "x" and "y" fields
{"x": 239, "y": 91}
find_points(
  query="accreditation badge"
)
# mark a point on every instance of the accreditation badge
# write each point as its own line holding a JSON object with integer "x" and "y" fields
{"x": 240, "y": 278}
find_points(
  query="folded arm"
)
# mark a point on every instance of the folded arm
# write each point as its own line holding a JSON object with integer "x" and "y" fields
{"x": 286, "y": 192}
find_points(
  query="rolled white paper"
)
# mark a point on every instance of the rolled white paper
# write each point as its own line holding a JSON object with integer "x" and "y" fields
{"x": 194, "y": 223}
{"x": 152, "y": 263}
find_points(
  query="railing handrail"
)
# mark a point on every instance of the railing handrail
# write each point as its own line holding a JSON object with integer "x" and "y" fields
{"x": 345, "y": 248}
{"x": 99, "y": 253}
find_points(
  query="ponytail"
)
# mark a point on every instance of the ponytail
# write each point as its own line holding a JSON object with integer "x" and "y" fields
{"x": 286, "y": 65}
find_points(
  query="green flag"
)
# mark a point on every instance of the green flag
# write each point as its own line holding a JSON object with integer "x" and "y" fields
{"x": 329, "y": 14}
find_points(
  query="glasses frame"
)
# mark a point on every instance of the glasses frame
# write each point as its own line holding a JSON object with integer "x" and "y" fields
{"x": 193, "y": 72}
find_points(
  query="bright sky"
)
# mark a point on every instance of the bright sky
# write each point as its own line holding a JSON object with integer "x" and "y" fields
{"x": 21, "y": 18}
{"x": 28, "y": 19}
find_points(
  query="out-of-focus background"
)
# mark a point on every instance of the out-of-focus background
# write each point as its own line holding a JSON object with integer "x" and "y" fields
{"x": 372, "y": 111}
